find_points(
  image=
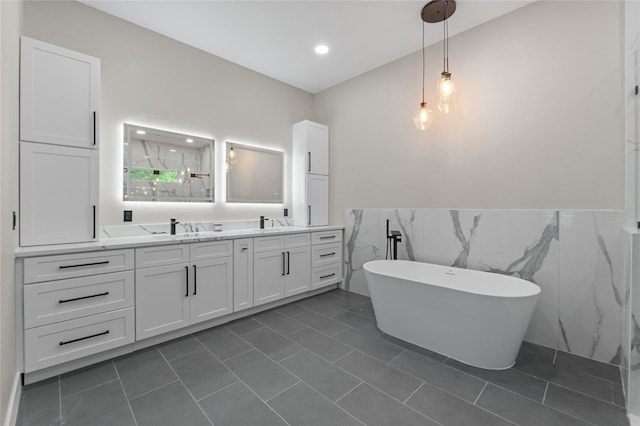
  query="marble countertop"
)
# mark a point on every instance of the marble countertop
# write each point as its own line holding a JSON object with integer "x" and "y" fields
{"x": 164, "y": 238}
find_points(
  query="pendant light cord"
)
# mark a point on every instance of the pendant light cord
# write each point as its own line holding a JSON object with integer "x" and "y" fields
{"x": 446, "y": 29}
{"x": 423, "y": 61}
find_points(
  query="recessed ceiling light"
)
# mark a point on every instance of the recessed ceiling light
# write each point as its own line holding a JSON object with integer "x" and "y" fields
{"x": 172, "y": 150}
{"x": 189, "y": 140}
{"x": 322, "y": 49}
{"x": 140, "y": 132}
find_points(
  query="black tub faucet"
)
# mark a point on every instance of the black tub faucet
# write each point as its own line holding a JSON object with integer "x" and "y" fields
{"x": 173, "y": 226}
{"x": 262, "y": 219}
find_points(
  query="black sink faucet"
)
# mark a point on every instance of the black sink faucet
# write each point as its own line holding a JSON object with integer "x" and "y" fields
{"x": 262, "y": 219}
{"x": 173, "y": 226}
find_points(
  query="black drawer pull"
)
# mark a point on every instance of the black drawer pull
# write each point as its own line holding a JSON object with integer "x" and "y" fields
{"x": 84, "y": 338}
{"x": 288, "y": 263}
{"x": 327, "y": 276}
{"x": 83, "y": 297}
{"x": 328, "y": 254}
{"x": 94, "y": 127}
{"x": 84, "y": 264}
{"x": 327, "y": 238}
{"x": 283, "y": 263}
{"x": 195, "y": 281}
{"x": 186, "y": 281}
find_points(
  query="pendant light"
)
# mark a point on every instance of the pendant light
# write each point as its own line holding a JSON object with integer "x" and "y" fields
{"x": 437, "y": 11}
{"x": 423, "y": 116}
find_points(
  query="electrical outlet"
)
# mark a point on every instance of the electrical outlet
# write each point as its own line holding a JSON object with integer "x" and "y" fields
{"x": 286, "y": 212}
{"x": 128, "y": 215}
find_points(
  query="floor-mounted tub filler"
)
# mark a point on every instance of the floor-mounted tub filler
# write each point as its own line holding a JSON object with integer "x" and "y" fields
{"x": 479, "y": 318}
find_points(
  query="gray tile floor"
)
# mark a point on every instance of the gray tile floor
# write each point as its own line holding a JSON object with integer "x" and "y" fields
{"x": 322, "y": 361}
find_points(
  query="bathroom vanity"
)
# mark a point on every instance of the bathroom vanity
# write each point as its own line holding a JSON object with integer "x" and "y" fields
{"x": 83, "y": 303}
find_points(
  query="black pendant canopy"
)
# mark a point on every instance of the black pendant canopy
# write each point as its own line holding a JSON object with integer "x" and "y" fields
{"x": 438, "y": 10}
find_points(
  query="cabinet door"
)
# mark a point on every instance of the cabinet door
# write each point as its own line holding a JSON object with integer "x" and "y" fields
{"x": 211, "y": 289}
{"x": 268, "y": 277}
{"x": 317, "y": 200}
{"x": 317, "y": 149}
{"x": 162, "y": 300}
{"x": 298, "y": 274}
{"x": 242, "y": 274}
{"x": 59, "y": 95}
{"x": 58, "y": 194}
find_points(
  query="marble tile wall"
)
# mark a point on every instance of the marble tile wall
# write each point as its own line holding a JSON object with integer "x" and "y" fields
{"x": 576, "y": 257}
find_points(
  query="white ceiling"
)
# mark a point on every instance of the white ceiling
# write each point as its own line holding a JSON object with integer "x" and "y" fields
{"x": 277, "y": 38}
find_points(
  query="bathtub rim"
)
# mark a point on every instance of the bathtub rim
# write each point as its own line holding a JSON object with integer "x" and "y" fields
{"x": 367, "y": 266}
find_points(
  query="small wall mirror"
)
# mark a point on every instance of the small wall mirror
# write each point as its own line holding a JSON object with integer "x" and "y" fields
{"x": 254, "y": 175}
{"x": 167, "y": 166}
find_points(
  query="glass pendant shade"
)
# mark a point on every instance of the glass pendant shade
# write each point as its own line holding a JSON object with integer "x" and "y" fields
{"x": 446, "y": 92}
{"x": 423, "y": 117}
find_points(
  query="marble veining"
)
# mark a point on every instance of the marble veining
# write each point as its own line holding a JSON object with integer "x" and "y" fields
{"x": 576, "y": 257}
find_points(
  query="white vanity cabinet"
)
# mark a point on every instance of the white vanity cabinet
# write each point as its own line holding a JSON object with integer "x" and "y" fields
{"x": 59, "y": 189}
{"x": 281, "y": 267}
{"x": 310, "y": 171}
{"x": 194, "y": 284}
{"x": 326, "y": 258}
{"x": 242, "y": 274}
{"x": 75, "y": 305}
{"x": 59, "y": 95}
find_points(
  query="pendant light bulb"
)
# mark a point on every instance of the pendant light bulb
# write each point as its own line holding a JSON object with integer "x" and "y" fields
{"x": 423, "y": 117}
{"x": 446, "y": 91}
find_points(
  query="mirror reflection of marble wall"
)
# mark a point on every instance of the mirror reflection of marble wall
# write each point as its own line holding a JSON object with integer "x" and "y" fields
{"x": 167, "y": 166}
{"x": 254, "y": 175}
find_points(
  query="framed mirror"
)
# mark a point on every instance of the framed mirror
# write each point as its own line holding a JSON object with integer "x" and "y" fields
{"x": 159, "y": 165}
{"x": 254, "y": 175}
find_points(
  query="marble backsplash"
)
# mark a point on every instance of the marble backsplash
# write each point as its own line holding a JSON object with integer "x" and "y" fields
{"x": 576, "y": 257}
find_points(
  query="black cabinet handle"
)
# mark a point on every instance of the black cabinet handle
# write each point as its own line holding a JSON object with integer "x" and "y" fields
{"x": 94, "y": 127}
{"x": 328, "y": 254}
{"x": 62, "y": 343}
{"x": 288, "y": 263}
{"x": 83, "y": 264}
{"x": 83, "y": 297}
{"x": 94, "y": 221}
{"x": 327, "y": 276}
{"x": 195, "y": 282}
{"x": 328, "y": 238}
{"x": 309, "y": 169}
{"x": 282, "y": 263}
{"x": 309, "y": 217}
{"x": 186, "y": 270}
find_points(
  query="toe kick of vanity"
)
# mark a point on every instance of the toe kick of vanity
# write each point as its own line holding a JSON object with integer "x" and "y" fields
{"x": 83, "y": 307}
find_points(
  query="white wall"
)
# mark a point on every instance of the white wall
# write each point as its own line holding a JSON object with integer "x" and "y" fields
{"x": 539, "y": 122}
{"x": 10, "y": 29}
{"x": 151, "y": 80}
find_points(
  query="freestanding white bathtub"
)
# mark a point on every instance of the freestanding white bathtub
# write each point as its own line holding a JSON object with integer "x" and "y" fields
{"x": 475, "y": 317}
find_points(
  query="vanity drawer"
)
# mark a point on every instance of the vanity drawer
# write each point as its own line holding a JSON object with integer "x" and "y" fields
{"x": 162, "y": 255}
{"x": 55, "y": 301}
{"x": 325, "y": 275}
{"x": 262, "y": 244}
{"x": 211, "y": 250}
{"x": 326, "y": 254}
{"x": 48, "y": 268}
{"x": 297, "y": 240}
{"x": 324, "y": 237}
{"x": 65, "y": 341}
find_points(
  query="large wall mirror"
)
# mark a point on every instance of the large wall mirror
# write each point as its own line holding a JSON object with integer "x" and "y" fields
{"x": 254, "y": 175}
{"x": 167, "y": 166}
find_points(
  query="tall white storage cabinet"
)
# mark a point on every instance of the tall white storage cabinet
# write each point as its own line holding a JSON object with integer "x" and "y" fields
{"x": 310, "y": 171}
{"x": 59, "y": 189}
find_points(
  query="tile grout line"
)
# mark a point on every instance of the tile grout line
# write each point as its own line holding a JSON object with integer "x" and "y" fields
{"x": 185, "y": 387}
{"x": 91, "y": 388}
{"x": 152, "y": 390}
{"x": 265, "y": 354}
{"x": 186, "y": 354}
{"x": 544, "y": 395}
{"x": 283, "y": 391}
{"x": 480, "y": 394}
{"x": 135, "y": 420}
{"x": 414, "y": 392}
{"x": 397, "y": 356}
{"x": 232, "y": 357}
{"x": 344, "y": 356}
{"x": 349, "y": 391}
{"x": 244, "y": 383}
{"x": 219, "y": 390}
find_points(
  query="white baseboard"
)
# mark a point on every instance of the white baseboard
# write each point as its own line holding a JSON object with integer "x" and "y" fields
{"x": 14, "y": 401}
{"x": 634, "y": 420}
